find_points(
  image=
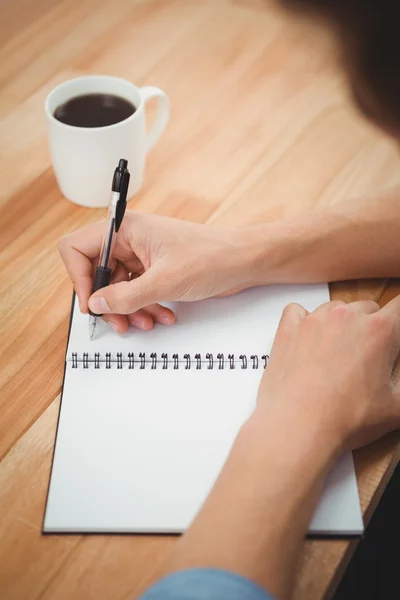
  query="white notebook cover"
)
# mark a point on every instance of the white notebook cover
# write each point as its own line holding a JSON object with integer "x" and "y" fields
{"x": 138, "y": 450}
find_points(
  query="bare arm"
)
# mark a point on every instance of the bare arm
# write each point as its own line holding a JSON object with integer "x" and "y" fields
{"x": 327, "y": 389}
{"x": 185, "y": 261}
{"x": 355, "y": 239}
{"x": 255, "y": 519}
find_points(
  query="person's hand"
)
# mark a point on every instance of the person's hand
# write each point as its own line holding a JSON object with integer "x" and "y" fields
{"x": 156, "y": 259}
{"x": 329, "y": 378}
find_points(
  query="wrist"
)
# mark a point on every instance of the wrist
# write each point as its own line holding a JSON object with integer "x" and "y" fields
{"x": 255, "y": 254}
{"x": 301, "y": 249}
{"x": 272, "y": 251}
{"x": 294, "y": 447}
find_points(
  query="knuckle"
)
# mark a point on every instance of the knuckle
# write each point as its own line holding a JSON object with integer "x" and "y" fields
{"x": 291, "y": 314}
{"x": 374, "y": 305}
{"x": 287, "y": 314}
{"x": 335, "y": 303}
{"x": 341, "y": 311}
{"x": 382, "y": 326}
{"x": 291, "y": 309}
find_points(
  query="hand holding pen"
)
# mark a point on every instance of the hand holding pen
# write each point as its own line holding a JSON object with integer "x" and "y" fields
{"x": 119, "y": 191}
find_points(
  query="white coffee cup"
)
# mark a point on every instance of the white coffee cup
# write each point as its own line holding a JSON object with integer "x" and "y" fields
{"x": 84, "y": 158}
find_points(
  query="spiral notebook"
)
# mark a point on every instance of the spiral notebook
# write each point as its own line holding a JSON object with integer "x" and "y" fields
{"x": 147, "y": 419}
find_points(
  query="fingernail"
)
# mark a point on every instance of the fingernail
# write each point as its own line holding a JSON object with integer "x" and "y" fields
{"x": 114, "y": 326}
{"x": 166, "y": 320}
{"x": 99, "y": 305}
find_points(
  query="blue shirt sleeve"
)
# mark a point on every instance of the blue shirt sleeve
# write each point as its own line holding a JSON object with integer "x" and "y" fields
{"x": 205, "y": 584}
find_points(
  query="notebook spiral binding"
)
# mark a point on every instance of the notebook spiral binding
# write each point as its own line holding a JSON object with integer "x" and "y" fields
{"x": 165, "y": 361}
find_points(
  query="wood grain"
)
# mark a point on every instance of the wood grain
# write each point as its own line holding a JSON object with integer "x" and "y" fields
{"x": 261, "y": 128}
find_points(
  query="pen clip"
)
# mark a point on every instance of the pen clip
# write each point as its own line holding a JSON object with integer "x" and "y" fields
{"x": 121, "y": 204}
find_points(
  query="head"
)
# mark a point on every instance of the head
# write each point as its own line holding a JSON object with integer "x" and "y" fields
{"x": 369, "y": 35}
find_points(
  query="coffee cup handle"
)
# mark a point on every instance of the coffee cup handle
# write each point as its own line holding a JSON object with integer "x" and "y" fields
{"x": 162, "y": 116}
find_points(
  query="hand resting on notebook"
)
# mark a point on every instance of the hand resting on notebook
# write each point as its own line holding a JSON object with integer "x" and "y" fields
{"x": 327, "y": 389}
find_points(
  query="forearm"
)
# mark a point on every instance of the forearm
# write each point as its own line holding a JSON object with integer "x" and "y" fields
{"x": 352, "y": 240}
{"x": 255, "y": 518}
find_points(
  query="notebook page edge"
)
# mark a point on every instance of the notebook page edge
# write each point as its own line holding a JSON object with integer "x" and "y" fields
{"x": 66, "y": 365}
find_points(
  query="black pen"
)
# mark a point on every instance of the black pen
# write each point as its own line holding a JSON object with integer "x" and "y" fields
{"x": 116, "y": 211}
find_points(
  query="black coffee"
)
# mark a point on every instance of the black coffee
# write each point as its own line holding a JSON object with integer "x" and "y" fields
{"x": 94, "y": 110}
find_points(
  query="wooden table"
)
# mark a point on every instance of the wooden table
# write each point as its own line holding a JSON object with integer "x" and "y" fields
{"x": 260, "y": 129}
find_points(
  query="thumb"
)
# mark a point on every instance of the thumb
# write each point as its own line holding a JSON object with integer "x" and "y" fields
{"x": 127, "y": 297}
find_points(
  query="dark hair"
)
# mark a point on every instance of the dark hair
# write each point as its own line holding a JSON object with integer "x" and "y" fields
{"x": 369, "y": 32}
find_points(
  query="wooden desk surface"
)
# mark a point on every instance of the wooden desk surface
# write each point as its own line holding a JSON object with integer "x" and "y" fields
{"x": 260, "y": 129}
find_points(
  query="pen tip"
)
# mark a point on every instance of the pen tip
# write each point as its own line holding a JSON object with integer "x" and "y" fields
{"x": 92, "y": 327}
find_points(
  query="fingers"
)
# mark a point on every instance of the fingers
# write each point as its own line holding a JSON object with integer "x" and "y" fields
{"x": 161, "y": 314}
{"x": 143, "y": 318}
{"x": 127, "y": 297}
{"x": 155, "y": 313}
{"x": 158, "y": 314}
{"x": 292, "y": 315}
{"x": 295, "y": 313}
{"x": 385, "y": 325}
{"x": 77, "y": 251}
{"x": 368, "y": 307}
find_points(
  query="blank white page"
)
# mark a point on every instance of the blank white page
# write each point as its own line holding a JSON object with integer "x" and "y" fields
{"x": 139, "y": 450}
